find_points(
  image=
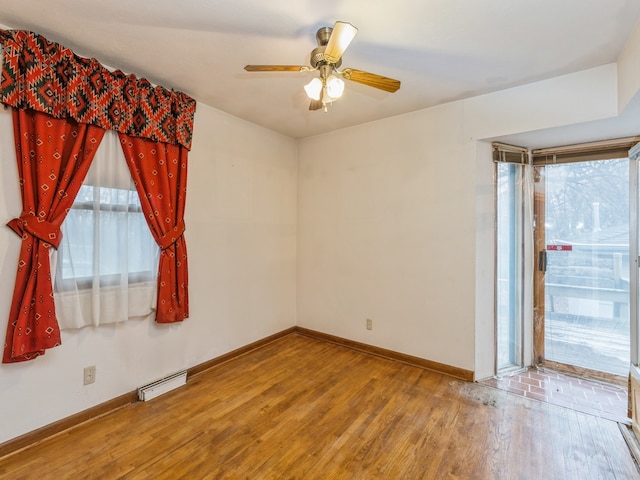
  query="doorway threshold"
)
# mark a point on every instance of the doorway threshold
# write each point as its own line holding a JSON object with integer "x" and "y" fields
{"x": 593, "y": 397}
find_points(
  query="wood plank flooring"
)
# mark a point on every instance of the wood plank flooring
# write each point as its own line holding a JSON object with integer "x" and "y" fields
{"x": 301, "y": 408}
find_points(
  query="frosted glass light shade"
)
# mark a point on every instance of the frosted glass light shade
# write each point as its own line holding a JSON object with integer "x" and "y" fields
{"x": 335, "y": 87}
{"x": 313, "y": 89}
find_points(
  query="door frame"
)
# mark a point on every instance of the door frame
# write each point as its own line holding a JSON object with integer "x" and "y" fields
{"x": 540, "y": 252}
{"x": 634, "y": 239}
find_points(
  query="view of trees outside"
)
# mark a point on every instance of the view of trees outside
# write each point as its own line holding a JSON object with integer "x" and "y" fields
{"x": 587, "y": 198}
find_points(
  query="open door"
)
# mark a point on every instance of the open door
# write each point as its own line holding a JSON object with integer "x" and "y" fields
{"x": 583, "y": 239}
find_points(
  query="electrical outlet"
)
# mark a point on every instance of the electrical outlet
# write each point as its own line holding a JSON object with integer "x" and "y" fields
{"x": 89, "y": 374}
{"x": 369, "y": 324}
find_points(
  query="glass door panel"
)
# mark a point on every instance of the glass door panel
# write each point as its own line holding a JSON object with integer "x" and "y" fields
{"x": 509, "y": 178}
{"x": 583, "y": 246}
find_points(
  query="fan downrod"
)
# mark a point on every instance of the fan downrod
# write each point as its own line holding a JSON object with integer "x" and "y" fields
{"x": 323, "y": 35}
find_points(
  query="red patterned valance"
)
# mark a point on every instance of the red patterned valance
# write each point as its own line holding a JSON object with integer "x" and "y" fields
{"x": 44, "y": 76}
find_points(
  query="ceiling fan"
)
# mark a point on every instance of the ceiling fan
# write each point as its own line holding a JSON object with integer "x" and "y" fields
{"x": 327, "y": 58}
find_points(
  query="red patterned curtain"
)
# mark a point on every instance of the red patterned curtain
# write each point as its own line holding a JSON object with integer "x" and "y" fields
{"x": 159, "y": 172}
{"x": 45, "y": 76}
{"x": 53, "y": 158}
{"x": 62, "y": 105}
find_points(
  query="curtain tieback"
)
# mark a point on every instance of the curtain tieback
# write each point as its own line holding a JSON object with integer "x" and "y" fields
{"x": 46, "y": 231}
{"x": 169, "y": 238}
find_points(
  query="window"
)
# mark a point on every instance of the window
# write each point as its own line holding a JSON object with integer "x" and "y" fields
{"x": 94, "y": 227}
{"x": 106, "y": 266}
{"x": 509, "y": 258}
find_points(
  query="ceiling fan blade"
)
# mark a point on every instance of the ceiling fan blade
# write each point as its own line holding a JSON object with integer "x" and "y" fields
{"x": 277, "y": 68}
{"x": 341, "y": 37}
{"x": 315, "y": 105}
{"x": 371, "y": 79}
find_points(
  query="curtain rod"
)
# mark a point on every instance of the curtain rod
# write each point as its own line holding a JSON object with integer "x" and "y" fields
{"x": 509, "y": 148}
{"x": 591, "y": 146}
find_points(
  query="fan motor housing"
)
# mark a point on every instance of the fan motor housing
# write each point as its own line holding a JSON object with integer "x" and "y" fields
{"x": 316, "y": 59}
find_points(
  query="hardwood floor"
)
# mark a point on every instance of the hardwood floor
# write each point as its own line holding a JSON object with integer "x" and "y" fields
{"x": 301, "y": 408}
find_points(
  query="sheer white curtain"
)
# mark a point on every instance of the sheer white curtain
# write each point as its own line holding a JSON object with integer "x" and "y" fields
{"x": 106, "y": 267}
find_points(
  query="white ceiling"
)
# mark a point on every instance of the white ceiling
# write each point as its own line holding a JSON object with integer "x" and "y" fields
{"x": 441, "y": 50}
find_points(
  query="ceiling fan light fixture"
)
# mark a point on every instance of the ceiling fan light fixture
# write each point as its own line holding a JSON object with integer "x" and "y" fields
{"x": 326, "y": 59}
{"x": 313, "y": 89}
{"x": 335, "y": 87}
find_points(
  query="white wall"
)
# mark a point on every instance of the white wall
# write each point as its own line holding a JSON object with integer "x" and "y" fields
{"x": 629, "y": 69}
{"x": 578, "y": 97}
{"x": 241, "y": 240}
{"x": 484, "y": 263}
{"x": 386, "y": 230}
